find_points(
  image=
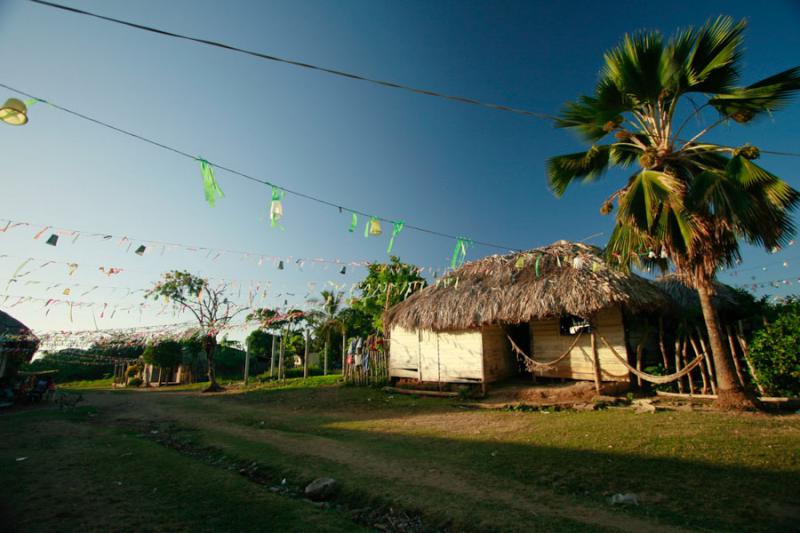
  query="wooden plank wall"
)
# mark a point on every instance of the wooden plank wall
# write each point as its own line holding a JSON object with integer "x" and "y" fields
{"x": 453, "y": 357}
{"x": 404, "y": 354}
{"x": 460, "y": 354}
{"x": 548, "y": 344}
{"x": 498, "y": 360}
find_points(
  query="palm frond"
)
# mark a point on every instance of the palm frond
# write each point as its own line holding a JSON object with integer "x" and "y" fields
{"x": 564, "y": 169}
{"x": 634, "y": 67}
{"x": 713, "y": 65}
{"x": 770, "y": 94}
{"x": 646, "y": 195}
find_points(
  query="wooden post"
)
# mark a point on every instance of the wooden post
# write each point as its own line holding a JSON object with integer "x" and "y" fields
{"x": 736, "y": 363}
{"x": 678, "y": 343}
{"x": 305, "y": 358}
{"x": 246, "y": 364}
{"x": 272, "y": 359}
{"x": 280, "y": 356}
{"x": 661, "y": 345}
{"x": 702, "y": 368}
{"x": 750, "y": 366}
{"x": 683, "y": 361}
{"x": 596, "y": 358}
{"x": 709, "y": 362}
{"x": 344, "y": 347}
{"x": 639, "y": 354}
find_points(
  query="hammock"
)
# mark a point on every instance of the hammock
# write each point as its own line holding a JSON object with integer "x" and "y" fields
{"x": 531, "y": 364}
{"x": 658, "y": 380}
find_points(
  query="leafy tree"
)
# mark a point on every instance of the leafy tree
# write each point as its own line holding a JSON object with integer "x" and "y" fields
{"x": 259, "y": 344}
{"x": 689, "y": 202}
{"x": 775, "y": 351}
{"x": 208, "y": 304}
{"x": 326, "y": 320}
{"x": 164, "y": 354}
{"x": 386, "y": 284}
{"x": 272, "y": 319}
{"x": 356, "y": 322}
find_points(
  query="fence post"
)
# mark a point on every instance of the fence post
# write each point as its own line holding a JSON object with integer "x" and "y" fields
{"x": 305, "y": 358}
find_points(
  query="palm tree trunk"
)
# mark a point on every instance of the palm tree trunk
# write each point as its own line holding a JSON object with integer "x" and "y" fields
{"x": 730, "y": 395}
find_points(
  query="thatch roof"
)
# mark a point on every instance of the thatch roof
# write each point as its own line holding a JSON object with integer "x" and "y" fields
{"x": 16, "y": 339}
{"x": 726, "y": 298}
{"x": 563, "y": 278}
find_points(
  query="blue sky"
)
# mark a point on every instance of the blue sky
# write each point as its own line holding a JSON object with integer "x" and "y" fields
{"x": 455, "y": 168}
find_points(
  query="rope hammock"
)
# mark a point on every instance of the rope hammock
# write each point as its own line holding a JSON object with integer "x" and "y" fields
{"x": 658, "y": 380}
{"x": 531, "y": 364}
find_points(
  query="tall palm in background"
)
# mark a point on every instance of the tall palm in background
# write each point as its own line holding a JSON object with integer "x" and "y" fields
{"x": 327, "y": 319}
{"x": 688, "y": 202}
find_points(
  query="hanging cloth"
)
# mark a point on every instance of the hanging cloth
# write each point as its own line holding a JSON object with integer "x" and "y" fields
{"x": 460, "y": 252}
{"x": 397, "y": 227}
{"x": 210, "y": 186}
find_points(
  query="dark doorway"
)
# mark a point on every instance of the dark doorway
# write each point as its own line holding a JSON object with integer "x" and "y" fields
{"x": 521, "y": 335}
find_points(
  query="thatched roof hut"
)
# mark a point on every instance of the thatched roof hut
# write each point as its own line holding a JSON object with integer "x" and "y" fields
{"x": 458, "y": 329}
{"x": 561, "y": 279}
{"x": 17, "y": 343}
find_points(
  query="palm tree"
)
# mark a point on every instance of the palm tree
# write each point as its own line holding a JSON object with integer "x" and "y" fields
{"x": 327, "y": 319}
{"x": 689, "y": 201}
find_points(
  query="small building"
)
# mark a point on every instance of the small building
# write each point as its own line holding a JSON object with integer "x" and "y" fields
{"x": 553, "y": 302}
{"x": 17, "y": 344}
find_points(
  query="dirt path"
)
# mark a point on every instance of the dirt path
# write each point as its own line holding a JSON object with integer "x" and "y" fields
{"x": 221, "y": 417}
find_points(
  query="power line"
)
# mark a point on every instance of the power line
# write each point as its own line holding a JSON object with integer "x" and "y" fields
{"x": 269, "y": 57}
{"x": 247, "y": 176}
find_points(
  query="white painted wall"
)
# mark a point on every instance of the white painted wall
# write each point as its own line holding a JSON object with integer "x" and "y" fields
{"x": 436, "y": 356}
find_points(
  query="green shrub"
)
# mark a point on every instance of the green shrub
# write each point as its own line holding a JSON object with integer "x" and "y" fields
{"x": 775, "y": 351}
{"x": 135, "y": 382}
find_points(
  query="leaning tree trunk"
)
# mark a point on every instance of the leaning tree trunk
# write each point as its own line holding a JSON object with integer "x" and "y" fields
{"x": 730, "y": 394}
{"x": 210, "y": 345}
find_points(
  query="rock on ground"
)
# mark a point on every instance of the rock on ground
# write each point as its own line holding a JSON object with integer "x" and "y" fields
{"x": 321, "y": 489}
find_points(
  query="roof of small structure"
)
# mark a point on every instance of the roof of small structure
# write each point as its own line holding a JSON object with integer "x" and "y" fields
{"x": 563, "y": 278}
{"x": 16, "y": 338}
{"x": 11, "y": 326}
{"x": 726, "y": 298}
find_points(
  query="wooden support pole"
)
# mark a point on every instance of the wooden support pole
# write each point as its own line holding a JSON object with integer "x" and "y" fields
{"x": 281, "y": 355}
{"x": 596, "y": 358}
{"x": 344, "y": 347}
{"x": 305, "y": 358}
{"x": 661, "y": 345}
{"x": 683, "y": 361}
{"x": 272, "y": 359}
{"x": 678, "y": 344}
{"x": 709, "y": 362}
{"x": 702, "y": 368}
{"x": 736, "y": 363}
{"x": 639, "y": 355}
{"x": 246, "y": 364}
{"x": 750, "y": 367}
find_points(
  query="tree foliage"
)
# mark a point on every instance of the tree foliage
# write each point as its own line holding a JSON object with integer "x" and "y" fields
{"x": 690, "y": 202}
{"x": 207, "y": 303}
{"x": 386, "y": 284}
{"x": 163, "y": 354}
{"x": 775, "y": 351}
{"x": 259, "y": 343}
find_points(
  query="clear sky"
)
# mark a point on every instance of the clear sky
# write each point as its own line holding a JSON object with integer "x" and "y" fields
{"x": 455, "y": 168}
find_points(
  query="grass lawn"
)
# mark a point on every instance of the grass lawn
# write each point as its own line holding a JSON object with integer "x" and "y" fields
{"x": 96, "y": 467}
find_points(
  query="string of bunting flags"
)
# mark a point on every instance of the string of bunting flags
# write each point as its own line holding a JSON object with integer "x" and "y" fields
{"x": 212, "y": 190}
